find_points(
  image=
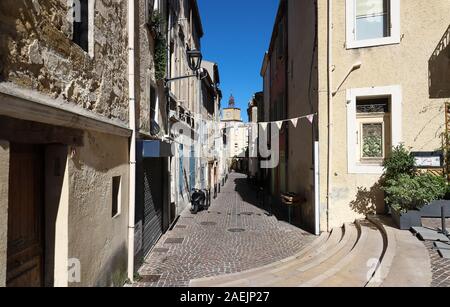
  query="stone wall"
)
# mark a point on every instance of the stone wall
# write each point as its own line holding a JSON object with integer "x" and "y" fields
{"x": 37, "y": 52}
{"x": 4, "y": 179}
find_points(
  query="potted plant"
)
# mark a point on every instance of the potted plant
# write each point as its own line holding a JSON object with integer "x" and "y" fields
{"x": 407, "y": 191}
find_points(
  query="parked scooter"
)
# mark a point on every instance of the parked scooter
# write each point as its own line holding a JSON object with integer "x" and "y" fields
{"x": 199, "y": 201}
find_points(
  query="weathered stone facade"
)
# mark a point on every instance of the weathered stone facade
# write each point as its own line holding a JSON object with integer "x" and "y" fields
{"x": 55, "y": 83}
{"x": 37, "y": 52}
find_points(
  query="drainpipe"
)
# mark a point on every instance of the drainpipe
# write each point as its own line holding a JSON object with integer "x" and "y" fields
{"x": 132, "y": 120}
{"x": 330, "y": 109}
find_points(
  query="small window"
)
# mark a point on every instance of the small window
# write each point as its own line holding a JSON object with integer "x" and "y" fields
{"x": 81, "y": 24}
{"x": 372, "y": 23}
{"x": 373, "y": 138}
{"x": 116, "y": 196}
{"x": 153, "y": 111}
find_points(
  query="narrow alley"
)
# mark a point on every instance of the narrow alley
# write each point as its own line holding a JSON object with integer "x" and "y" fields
{"x": 233, "y": 236}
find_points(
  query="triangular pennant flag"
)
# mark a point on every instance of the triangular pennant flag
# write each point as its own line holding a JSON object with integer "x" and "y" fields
{"x": 294, "y": 122}
{"x": 310, "y": 118}
{"x": 279, "y": 124}
{"x": 263, "y": 126}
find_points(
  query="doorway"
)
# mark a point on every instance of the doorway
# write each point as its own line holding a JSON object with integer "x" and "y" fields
{"x": 26, "y": 250}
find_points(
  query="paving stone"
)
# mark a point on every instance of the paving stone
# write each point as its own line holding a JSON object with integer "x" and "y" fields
{"x": 427, "y": 234}
{"x": 445, "y": 253}
{"x": 441, "y": 245}
{"x": 212, "y": 250}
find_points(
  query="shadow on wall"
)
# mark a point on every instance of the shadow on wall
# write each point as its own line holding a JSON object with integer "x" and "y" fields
{"x": 114, "y": 272}
{"x": 439, "y": 68}
{"x": 369, "y": 201}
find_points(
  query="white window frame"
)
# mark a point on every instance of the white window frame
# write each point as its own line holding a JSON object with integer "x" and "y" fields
{"x": 353, "y": 43}
{"x": 395, "y": 93}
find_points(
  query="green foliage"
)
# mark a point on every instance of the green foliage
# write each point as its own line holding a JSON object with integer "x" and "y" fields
{"x": 160, "y": 46}
{"x": 400, "y": 162}
{"x": 157, "y": 22}
{"x": 408, "y": 192}
{"x": 405, "y": 189}
{"x": 160, "y": 57}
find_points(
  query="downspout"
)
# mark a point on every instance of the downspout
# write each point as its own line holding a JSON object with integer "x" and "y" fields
{"x": 132, "y": 120}
{"x": 330, "y": 108}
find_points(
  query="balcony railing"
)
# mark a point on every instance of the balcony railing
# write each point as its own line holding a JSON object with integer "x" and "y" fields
{"x": 439, "y": 68}
{"x": 442, "y": 45}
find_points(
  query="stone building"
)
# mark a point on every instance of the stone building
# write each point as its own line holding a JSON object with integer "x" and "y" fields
{"x": 64, "y": 154}
{"x": 210, "y": 158}
{"x": 253, "y": 112}
{"x": 185, "y": 31}
{"x": 366, "y": 76}
{"x": 237, "y": 133}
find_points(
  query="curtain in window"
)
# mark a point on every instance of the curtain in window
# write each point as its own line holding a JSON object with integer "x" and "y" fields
{"x": 372, "y": 19}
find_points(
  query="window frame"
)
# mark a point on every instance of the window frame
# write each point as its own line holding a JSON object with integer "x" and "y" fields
{"x": 118, "y": 200}
{"x": 395, "y": 94}
{"x": 91, "y": 26}
{"x": 353, "y": 43}
{"x": 372, "y": 119}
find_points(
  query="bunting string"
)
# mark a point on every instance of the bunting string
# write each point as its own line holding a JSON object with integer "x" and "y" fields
{"x": 294, "y": 121}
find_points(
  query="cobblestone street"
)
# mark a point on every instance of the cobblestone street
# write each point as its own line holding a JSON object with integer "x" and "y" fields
{"x": 233, "y": 236}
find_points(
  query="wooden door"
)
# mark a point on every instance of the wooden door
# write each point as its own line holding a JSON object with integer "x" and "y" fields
{"x": 25, "y": 217}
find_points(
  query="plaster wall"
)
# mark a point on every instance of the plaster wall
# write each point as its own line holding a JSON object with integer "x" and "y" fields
{"x": 96, "y": 239}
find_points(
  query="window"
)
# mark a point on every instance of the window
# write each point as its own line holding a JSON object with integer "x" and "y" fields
{"x": 374, "y": 126}
{"x": 372, "y": 19}
{"x": 116, "y": 196}
{"x": 81, "y": 24}
{"x": 372, "y": 23}
{"x": 153, "y": 112}
{"x": 373, "y": 130}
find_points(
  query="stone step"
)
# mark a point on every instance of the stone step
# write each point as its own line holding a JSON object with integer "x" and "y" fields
{"x": 303, "y": 272}
{"x": 410, "y": 265}
{"x": 219, "y": 281}
{"x": 255, "y": 278}
{"x": 359, "y": 266}
{"x": 340, "y": 241}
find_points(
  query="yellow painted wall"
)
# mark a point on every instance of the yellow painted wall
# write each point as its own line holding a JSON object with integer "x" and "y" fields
{"x": 404, "y": 64}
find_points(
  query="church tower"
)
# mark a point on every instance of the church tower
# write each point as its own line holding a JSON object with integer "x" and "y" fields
{"x": 232, "y": 114}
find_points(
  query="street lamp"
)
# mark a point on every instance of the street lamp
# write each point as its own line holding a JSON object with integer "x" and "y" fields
{"x": 194, "y": 59}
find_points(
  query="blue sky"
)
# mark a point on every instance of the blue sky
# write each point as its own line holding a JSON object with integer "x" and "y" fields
{"x": 237, "y": 33}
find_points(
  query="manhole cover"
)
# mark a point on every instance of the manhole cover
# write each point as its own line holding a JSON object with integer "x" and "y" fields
{"x": 150, "y": 278}
{"x": 236, "y": 230}
{"x": 208, "y": 224}
{"x": 247, "y": 213}
{"x": 174, "y": 241}
{"x": 160, "y": 250}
